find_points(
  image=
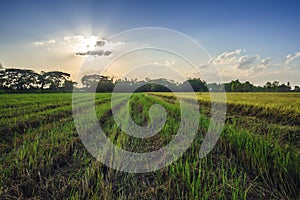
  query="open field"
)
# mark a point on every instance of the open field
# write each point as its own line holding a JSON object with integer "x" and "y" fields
{"x": 257, "y": 156}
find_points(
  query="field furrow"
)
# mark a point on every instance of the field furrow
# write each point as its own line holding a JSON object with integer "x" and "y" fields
{"x": 42, "y": 155}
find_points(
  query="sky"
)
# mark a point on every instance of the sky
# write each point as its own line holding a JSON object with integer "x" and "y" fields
{"x": 257, "y": 40}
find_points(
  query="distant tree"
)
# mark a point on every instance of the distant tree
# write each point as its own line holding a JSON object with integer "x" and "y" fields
{"x": 297, "y": 89}
{"x": 275, "y": 83}
{"x": 275, "y": 86}
{"x": 2, "y": 76}
{"x": 54, "y": 80}
{"x": 235, "y": 85}
{"x": 227, "y": 87}
{"x": 105, "y": 85}
{"x": 147, "y": 85}
{"x": 126, "y": 85}
{"x": 69, "y": 85}
{"x": 258, "y": 89}
{"x": 144, "y": 87}
{"x": 247, "y": 87}
{"x": 284, "y": 88}
{"x": 90, "y": 81}
{"x": 268, "y": 86}
{"x": 154, "y": 87}
{"x": 215, "y": 87}
{"x": 271, "y": 87}
{"x": 97, "y": 82}
{"x": 162, "y": 85}
{"x": 197, "y": 84}
{"x": 23, "y": 79}
{"x": 19, "y": 79}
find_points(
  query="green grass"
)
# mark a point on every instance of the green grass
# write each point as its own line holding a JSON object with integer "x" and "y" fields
{"x": 42, "y": 155}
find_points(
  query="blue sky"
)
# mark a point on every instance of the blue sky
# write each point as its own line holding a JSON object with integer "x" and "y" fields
{"x": 267, "y": 28}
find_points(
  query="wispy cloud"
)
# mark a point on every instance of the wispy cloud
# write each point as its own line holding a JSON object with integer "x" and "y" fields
{"x": 291, "y": 57}
{"x": 265, "y": 63}
{"x": 44, "y": 43}
{"x": 226, "y": 57}
{"x": 166, "y": 63}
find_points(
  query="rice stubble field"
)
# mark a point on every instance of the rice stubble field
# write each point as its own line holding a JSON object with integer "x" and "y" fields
{"x": 256, "y": 157}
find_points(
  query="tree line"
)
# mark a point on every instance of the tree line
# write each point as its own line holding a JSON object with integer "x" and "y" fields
{"x": 105, "y": 84}
{"x": 101, "y": 83}
{"x": 238, "y": 86}
{"x": 23, "y": 80}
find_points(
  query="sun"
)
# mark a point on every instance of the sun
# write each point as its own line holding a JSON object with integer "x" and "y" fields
{"x": 88, "y": 44}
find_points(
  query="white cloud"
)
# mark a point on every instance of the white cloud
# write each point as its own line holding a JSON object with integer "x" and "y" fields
{"x": 291, "y": 57}
{"x": 46, "y": 43}
{"x": 38, "y": 44}
{"x": 92, "y": 46}
{"x": 254, "y": 68}
{"x": 236, "y": 60}
{"x": 264, "y": 64}
{"x": 239, "y": 64}
{"x": 51, "y": 41}
{"x": 74, "y": 37}
{"x": 80, "y": 45}
{"x": 166, "y": 63}
{"x": 226, "y": 57}
{"x": 169, "y": 63}
{"x": 246, "y": 62}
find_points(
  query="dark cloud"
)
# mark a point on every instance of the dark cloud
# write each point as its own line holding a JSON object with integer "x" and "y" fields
{"x": 94, "y": 53}
{"x": 100, "y": 43}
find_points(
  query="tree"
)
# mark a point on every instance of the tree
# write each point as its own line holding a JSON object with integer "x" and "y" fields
{"x": 297, "y": 89}
{"x": 271, "y": 87}
{"x": 19, "y": 79}
{"x": 235, "y": 85}
{"x": 90, "y": 81}
{"x": 216, "y": 87}
{"x": 197, "y": 84}
{"x": 54, "y": 80}
{"x": 124, "y": 85}
{"x": 23, "y": 79}
{"x": 227, "y": 87}
{"x": 268, "y": 86}
{"x": 97, "y": 82}
{"x": 284, "y": 88}
{"x": 105, "y": 85}
{"x": 2, "y": 75}
{"x": 162, "y": 85}
{"x": 275, "y": 86}
{"x": 248, "y": 87}
{"x": 68, "y": 85}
